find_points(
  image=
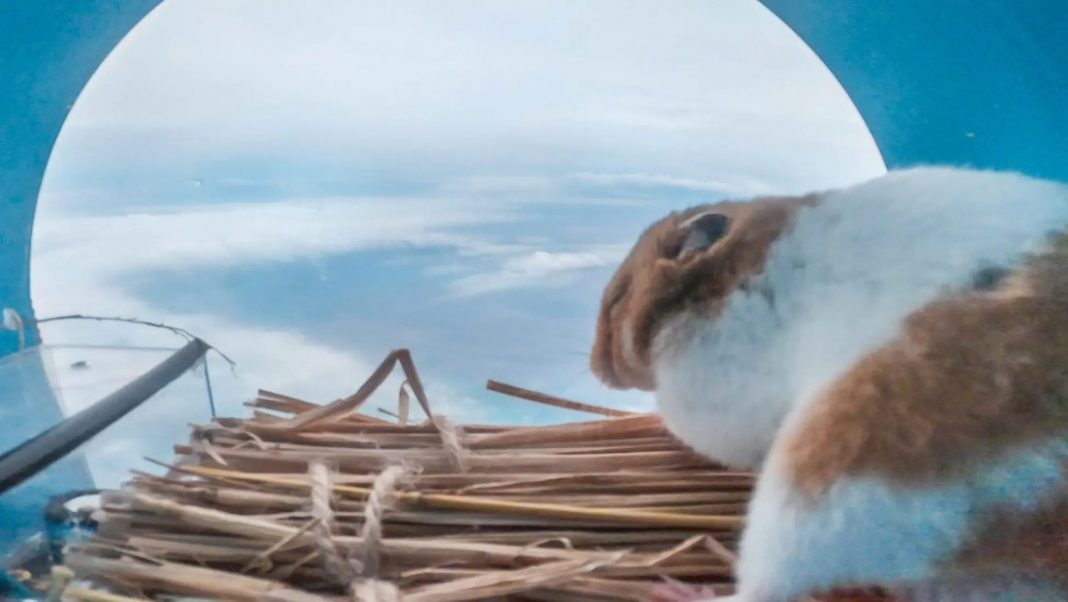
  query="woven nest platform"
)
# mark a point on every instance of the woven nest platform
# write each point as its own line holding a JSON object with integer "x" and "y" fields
{"x": 303, "y": 502}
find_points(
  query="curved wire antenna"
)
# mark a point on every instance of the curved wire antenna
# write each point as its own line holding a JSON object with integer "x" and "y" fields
{"x": 175, "y": 329}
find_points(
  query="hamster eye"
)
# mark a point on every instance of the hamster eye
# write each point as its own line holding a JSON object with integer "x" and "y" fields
{"x": 702, "y": 231}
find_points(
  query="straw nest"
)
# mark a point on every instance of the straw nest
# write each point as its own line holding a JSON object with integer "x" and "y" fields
{"x": 305, "y": 502}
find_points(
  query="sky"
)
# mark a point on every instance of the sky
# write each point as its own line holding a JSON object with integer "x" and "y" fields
{"x": 309, "y": 185}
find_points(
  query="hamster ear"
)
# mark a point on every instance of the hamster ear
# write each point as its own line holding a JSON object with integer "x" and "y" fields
{"x": 703, "y": 230}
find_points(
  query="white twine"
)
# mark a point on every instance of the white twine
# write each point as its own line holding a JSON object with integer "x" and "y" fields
{"x": 450, "y": 437}
{"x": 383, "y": 493}
{"x": 358, "y": 575}
{"x": 334, "y": 563}
{"x": 374, "y": 590}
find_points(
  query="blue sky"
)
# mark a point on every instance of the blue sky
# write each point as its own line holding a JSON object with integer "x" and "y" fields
{"x": 309, "y": 185}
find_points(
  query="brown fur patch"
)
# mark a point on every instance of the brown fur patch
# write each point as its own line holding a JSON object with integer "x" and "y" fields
{"x": 1029, "y": 544}
{"x": 970, "y": 377}
{"x": 652, "y": 284}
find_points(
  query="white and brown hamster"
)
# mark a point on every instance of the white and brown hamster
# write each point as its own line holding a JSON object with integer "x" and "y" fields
{"x": 892, "y": 357}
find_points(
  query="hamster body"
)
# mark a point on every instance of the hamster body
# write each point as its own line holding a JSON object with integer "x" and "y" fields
{"x": 890, "y": 356}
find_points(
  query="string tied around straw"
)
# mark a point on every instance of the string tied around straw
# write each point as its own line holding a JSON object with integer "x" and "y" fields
{"x": 334, "y": 563}
{"x": 450, "y": 438}
{"x": 375, "y": 590}
{"x": 383, "y": 494}
{"x": 358, "y": 575}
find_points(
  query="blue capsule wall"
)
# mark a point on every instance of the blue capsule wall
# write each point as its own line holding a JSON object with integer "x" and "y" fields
{"x": 48, "y": 51}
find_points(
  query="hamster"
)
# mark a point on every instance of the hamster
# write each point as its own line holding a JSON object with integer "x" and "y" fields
{"x": 891, "y": 357}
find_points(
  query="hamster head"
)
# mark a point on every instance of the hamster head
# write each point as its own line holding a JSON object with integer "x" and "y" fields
{"x": 688, "y": 263}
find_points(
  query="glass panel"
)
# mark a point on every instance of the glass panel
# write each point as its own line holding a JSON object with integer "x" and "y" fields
{"x": 29, "y": 407}
{"x": 44, "y": 384}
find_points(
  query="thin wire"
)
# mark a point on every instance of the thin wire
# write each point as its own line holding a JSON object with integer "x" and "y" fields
{"x": 207, "y": 381}
{"x": 179, "y": 331}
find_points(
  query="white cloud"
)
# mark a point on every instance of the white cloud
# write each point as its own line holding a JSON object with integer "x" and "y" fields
{"x": 537, "y": 268}
{"x": 740, "y": 187}
{"x": 230, "y": 234}
{"x": 501, "y": 185}
{"x": 80, "y": 263}
{"x": 544, "y": 262}
{"x": 448, "y": 91}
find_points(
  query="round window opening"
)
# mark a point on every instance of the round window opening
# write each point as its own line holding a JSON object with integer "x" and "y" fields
{"x": 307, "y": 187}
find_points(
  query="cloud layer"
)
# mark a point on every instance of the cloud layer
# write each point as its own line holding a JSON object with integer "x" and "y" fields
{"x": 495, "y": 160}
{"x": 412, "y": 95}
{"x": 537, "y": 268}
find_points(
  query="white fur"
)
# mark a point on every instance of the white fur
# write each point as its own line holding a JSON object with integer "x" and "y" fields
{"x": 841, "y": 281}
{"x": 1006, "y": 588}
{"x": 868, "y": 531}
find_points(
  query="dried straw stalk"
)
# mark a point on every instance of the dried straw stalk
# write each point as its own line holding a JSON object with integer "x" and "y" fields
{"x": 593, "y": 510}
